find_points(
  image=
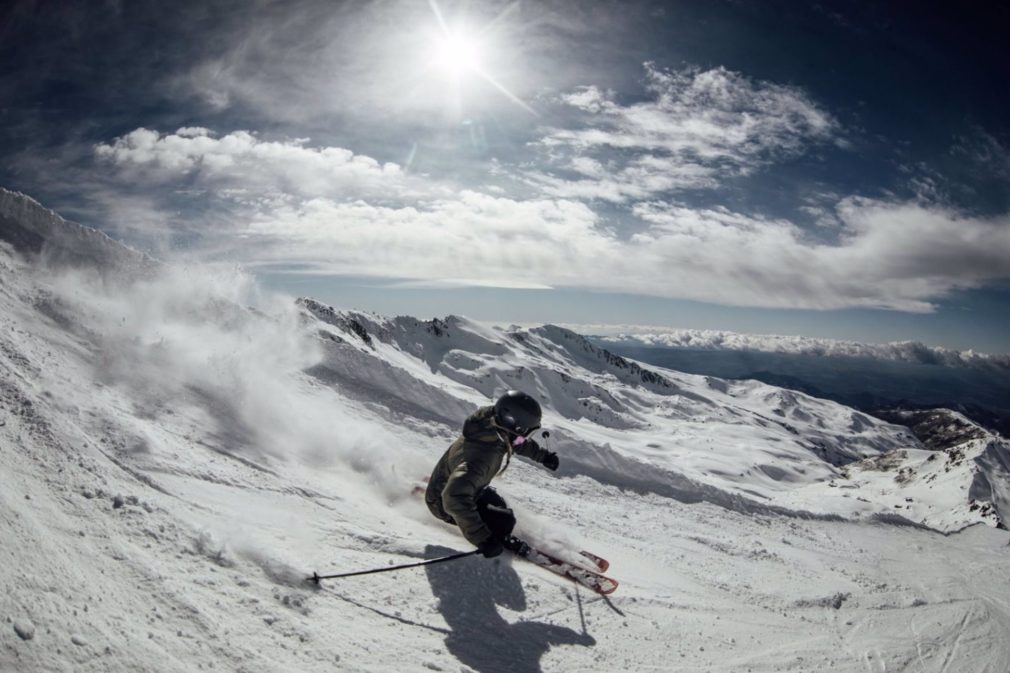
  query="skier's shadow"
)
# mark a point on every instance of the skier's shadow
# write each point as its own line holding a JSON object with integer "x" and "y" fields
{"x": 468, "y": 593}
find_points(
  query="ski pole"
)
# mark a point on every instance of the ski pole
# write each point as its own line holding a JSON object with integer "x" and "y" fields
{"x": 316, "y": 577}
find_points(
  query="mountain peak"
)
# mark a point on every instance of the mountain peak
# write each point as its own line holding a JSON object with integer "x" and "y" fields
{"x": 36, "y": 231}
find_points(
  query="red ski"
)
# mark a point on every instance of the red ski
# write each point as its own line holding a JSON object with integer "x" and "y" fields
{"x": 593, "y": 581}
{"x": 601, "y": 563}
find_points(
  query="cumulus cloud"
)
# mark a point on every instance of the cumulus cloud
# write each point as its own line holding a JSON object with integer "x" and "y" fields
{"x": 904, "y": 351}
{"x": 890, "y": 255}
{"x": 697, "y": 126}
{"x": 291, "y": 203}
{"x": 475, "y": 238}
{"x": 244, "y": 161}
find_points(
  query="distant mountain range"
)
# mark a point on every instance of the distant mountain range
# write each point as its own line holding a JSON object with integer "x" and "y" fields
{"x": 871, "y": 384}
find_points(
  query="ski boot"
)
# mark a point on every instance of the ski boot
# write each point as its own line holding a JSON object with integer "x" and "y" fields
{"x": 516, "y": 546}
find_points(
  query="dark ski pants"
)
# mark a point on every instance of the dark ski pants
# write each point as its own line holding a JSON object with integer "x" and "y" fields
{"x": 496, "y": 513}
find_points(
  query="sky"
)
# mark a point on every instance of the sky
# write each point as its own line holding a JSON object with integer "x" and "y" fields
{"x": 832, "y": 170}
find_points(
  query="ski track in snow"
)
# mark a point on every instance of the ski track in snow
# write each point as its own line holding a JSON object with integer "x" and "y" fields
{"x": 169, "y": 478}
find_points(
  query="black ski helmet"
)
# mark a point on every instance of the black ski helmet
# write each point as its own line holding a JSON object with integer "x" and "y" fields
{"x": 517, "y": 412}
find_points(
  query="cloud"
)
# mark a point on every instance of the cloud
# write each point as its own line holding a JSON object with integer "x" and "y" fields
{"x": 713, "y": 114}
{"x": 890, "y": 255}
{"x": 698, "y": 126}
{"x": 475, "y": 239}
{"x": 334, "y": 211}
{"x": 242, "y": 160}
{"x": 375, "y": 64}
{"x": 631, "y": 179}
{"x": 984, "y": 151}
{"x": 899, "y": 256}
{"x": 904, "y": 351}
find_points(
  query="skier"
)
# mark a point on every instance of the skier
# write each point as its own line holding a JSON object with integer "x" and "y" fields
{"x": 458, "y": 490}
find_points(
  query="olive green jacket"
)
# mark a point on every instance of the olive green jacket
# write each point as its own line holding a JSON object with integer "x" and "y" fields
{"x": 466, "y": 468}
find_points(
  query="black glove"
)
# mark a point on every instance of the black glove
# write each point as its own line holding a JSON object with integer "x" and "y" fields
{"x": 551, "y": 461}
{"x": 491, "y": 547}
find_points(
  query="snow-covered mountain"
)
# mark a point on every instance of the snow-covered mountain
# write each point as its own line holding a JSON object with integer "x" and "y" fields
{"x": 740, "y": 444}
{"x": 175, "y": 463}
{"x": 684, "y": 436}
{"x": 868, "y": 377}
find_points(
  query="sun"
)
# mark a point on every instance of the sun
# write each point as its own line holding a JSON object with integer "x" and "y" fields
{"x": 456, "y": 54}
{"x": 461, "y": 52}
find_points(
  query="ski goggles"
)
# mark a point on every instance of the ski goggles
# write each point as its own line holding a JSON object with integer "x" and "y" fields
{"x": 520, "y": 439}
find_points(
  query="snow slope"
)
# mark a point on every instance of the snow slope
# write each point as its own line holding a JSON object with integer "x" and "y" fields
{"x": 743, "y": 445}
{"x": 173, "y": 464}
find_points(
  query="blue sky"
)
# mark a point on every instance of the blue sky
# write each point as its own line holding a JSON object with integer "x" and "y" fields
{"x": 821, "y": 169}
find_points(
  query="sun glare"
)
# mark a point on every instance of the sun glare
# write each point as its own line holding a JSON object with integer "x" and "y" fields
{"x": 459, "y": 50}
{"x": 457, "y": 54}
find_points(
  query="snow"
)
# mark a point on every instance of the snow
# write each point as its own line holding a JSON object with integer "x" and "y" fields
{"x": 174, "y": 465}
{"x": 926, "y": 487}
